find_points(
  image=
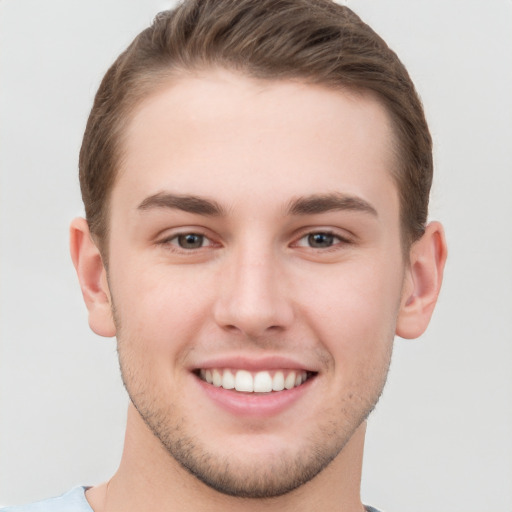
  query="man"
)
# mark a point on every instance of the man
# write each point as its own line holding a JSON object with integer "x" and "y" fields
{"x": 255, "y": 176}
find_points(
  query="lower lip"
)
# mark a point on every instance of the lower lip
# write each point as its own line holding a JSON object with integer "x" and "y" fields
{"x": 255, "y": 404}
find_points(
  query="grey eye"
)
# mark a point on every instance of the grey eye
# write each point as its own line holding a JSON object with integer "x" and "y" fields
{"x": 320, "y": 240}
{"x": 190, "y": 241}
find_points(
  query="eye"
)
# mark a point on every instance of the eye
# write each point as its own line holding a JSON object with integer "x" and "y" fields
{"x": 188, "y": 241}
{"x": 320, "y": 240}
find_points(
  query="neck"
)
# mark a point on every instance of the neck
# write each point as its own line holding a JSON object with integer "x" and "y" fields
{"x": 149, "y": 478}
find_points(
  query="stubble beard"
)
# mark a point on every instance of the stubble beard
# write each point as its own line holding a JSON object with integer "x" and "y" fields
{"x": 240, "y": 477}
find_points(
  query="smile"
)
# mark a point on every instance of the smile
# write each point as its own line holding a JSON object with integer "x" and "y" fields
{"x": 254, "y": 382}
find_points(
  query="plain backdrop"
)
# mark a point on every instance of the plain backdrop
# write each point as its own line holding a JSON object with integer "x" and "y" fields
{"x": 441, "y": 437}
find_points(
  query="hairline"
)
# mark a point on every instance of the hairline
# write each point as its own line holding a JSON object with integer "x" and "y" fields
{"x": 162, "y": 78}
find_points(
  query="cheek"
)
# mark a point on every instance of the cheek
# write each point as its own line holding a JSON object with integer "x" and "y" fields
{"x": 158, "y": 308}
{"x": 355, "y": 310}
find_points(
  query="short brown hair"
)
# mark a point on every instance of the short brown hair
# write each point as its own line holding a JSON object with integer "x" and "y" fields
{"x": 316, "y": 41}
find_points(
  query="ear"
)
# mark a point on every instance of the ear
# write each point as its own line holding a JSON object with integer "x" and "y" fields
{"x": 92, "y": 277}
{"x": 422, "y": 282}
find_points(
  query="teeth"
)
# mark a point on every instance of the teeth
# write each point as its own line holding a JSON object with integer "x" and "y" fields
{"x": 217, "y": 378}
{"x": 262, "y": 382}
{"x": 289, "y": 382}
{"x": 228, "y": 381}
{"x": 278, "y": 382}
{"x": 244, "y": 381}
{"x": 301, "y": 377}
{"x": 258, "y": 382}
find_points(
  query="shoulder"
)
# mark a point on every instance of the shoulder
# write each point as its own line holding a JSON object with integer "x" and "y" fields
{"x": 73, "y": 501}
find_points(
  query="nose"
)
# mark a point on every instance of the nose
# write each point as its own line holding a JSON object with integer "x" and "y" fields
{"x": 253, "y": 296}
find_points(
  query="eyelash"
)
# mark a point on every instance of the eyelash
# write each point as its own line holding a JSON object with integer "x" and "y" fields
{"x": 335, "y": 240}
{"x": 174, "y": 241}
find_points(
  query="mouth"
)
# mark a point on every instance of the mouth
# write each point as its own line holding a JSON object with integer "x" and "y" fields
{"x": 264, "y": 381}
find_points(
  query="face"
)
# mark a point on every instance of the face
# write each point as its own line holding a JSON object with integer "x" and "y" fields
{"x": 256, "y": 272}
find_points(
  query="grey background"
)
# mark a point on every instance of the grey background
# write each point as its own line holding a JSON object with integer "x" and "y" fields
{"x": 441, "y": 438}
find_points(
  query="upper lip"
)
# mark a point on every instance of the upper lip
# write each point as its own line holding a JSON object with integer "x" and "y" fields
{"x": 255, "y": 363}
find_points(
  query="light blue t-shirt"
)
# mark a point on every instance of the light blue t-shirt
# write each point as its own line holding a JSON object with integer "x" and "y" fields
{"x": 72, "y": 501}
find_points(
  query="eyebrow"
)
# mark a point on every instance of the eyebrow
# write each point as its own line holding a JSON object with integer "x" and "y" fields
{"x": 186, "y": 203}
{"x": 310, "y": 205}
{"x": 323, "y": 203}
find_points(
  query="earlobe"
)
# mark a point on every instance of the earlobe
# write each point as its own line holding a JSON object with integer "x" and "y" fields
{"x": 92, "y": 277}
{"x": 422, "y": 282}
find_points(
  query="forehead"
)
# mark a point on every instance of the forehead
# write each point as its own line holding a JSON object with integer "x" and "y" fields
{"x": 218, "y": 132}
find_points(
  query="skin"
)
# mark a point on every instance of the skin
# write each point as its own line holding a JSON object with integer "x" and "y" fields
{"x": 256, "y": 285}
